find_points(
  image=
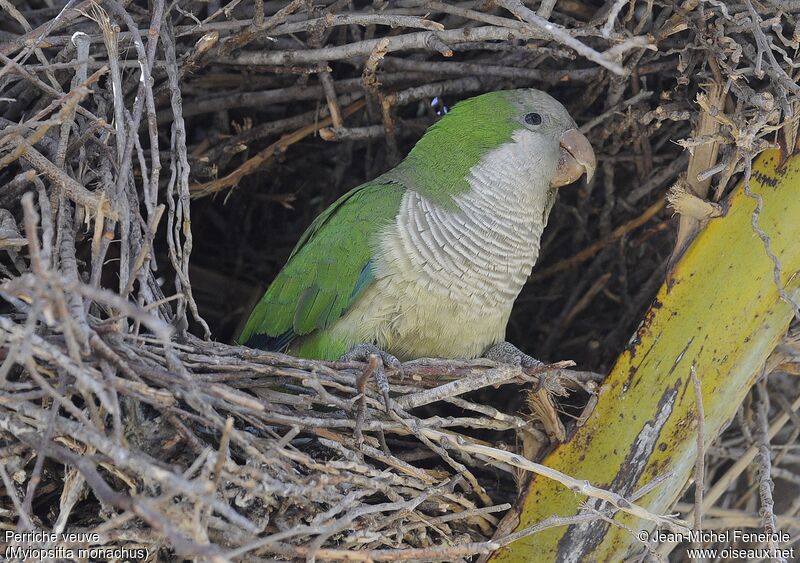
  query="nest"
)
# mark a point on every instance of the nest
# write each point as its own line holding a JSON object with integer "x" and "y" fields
{"x": 138, "y": 135}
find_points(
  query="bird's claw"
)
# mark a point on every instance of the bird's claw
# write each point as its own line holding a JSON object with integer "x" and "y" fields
{"x": 507, "y": 353}
{"x": 362, "y": 353}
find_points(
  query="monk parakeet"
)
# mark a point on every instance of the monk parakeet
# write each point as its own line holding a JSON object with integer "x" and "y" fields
{"x": 427, "y": 259}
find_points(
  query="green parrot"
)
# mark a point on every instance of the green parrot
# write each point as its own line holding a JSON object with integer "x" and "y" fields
{"x": 427, "y": 259}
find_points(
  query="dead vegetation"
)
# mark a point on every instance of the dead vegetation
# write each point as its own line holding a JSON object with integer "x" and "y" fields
{"x": 137, "y": 135}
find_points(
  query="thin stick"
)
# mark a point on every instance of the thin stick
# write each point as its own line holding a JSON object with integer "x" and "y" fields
{"x": 571, "y": 483}
{"x": 765, "y": 483}
{"x": 561, "y": 35}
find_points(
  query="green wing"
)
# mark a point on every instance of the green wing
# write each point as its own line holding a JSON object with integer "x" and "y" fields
{"x": 327, "y": 270}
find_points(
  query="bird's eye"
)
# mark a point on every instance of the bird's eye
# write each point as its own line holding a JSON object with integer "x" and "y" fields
{"x": 533, "y": 118}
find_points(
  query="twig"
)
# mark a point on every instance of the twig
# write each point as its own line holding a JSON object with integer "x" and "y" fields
{"x": 608, "y": 27}
{"x": 576, "y": 485}
{"x": 561, "y": 35}
{"x": 254, "y": 163}
{"x": 493, "y": 376}
{"x": 419, "y": 40}
{"x": 723, "y": 482}
{"x": 765, "y": 483}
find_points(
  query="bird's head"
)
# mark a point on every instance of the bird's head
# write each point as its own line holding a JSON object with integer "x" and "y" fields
{"x": 531, "y": 133}
{"x": 540, "y": 122}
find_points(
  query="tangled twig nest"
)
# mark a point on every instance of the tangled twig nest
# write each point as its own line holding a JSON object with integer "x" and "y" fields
{"x": 297, "y": 461}
{"x": 120, "y": 118}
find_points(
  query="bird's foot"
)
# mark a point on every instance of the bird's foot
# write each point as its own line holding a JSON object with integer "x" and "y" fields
{"x": 362, "y": 353}
{"x": 507, "y": 353}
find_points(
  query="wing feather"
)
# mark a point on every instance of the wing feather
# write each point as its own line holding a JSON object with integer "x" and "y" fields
{"x": 328, "y": 270}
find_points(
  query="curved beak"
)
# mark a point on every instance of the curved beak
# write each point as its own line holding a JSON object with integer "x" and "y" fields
{"x": 575, "y": 159}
